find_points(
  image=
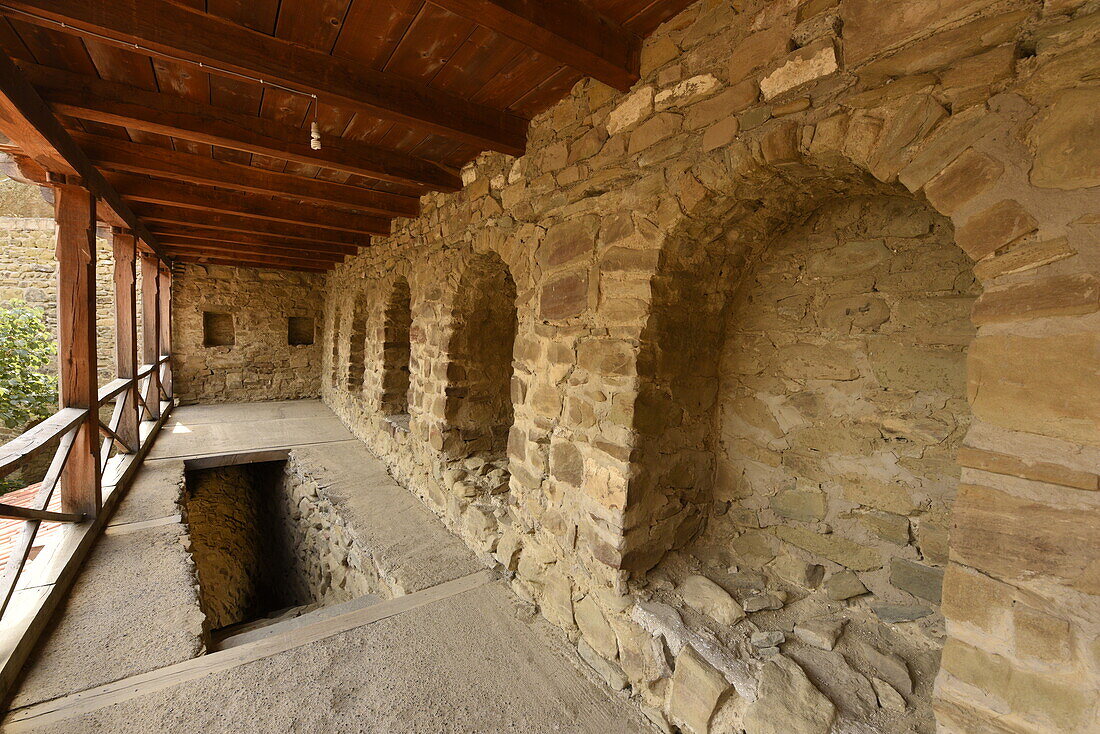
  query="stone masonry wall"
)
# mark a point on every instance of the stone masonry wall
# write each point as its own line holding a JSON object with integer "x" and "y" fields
{"x": 261, "y": 364}
{"x": 749, "y": 117}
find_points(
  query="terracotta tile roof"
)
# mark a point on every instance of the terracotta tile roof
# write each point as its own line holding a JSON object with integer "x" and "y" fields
{"x": 10, "y": 530}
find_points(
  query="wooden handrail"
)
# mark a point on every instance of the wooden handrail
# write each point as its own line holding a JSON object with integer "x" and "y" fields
{"x": 15, "y": 512}
{"x": 113, "y": 389}
{"x": 17, "y": 451}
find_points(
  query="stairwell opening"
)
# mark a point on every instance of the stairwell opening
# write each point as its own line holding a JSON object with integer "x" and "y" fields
{"x": 267, "y": 546}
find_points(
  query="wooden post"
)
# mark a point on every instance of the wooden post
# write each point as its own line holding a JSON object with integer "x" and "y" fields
{"x": 164, "y": 284}
{"x": 76, "y": 342}
{"x": 150, "y": 326}
{"x": 125, "y": 251}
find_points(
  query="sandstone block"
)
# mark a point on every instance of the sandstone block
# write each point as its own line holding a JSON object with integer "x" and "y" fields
{"x": 970, "y": 175}
{"x": 848, "y": 259}
{"x": 796, "y": 571}
{"x": 788, "y": 703}
{"x": 568, "y": 241}
{"x": 631, "y": 110}
{"x": 871, "y": 26}
{"x": 897, "y": 613}
{"x": 653, "y": 131}
{"x": 1041, "y": 636}
{"x": 810, "y": 362}
{"x": 696, "y": 691}
{"x": 759, "y": 49}
{"x": 1014, "y": 538}
{"x": 805, "y": 65}
{"x": 739, "y": 97}
{"x": 608, "y": 671}
{"x": 1040, "y": 471}
{"x": 720, "y": 134}
{"x": 919, "y": 580}
{"x": 987, "y": 231}
{"x": 844, "y": 585}
{"x": 799, "y": 505}
{"x": 780, "y": 146}
{"x": 1024, "y": 256}
{"x": 888, "y": 697}
{"x": 912, "y": 123}
{"x": 888, "y": 526}
{"x": 685, "y": 92}
{"x": 837, "y": 549}
{"x": 566, "y": 463}
{"x": 902, "y": 366}
{"x": 595, "y": 628}
{"x": 565, "y": 297}
{"x": 849, "y": 313}
{"x": 821, "y": 633}
{"x": 1065, "y": 157}
{"x": 1005, "y": 387}
{"x": 1060, "y": 295}
{"x": 707, "y": 597}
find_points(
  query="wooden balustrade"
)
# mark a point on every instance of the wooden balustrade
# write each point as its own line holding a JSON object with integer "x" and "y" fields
{"x": 93, "y": 457}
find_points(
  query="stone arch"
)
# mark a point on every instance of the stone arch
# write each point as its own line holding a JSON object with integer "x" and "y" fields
{"x": 478, "y": 409}
{"x": 357, "y": 344}
{"x": 396, "y": 350}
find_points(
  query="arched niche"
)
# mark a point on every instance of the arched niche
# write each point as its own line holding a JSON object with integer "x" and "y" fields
{"x": 396, "y": 350}
{"x": 479, "y": 372}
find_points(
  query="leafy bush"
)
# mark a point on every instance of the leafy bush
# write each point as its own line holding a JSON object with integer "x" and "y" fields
{"x": 28, "y": 392}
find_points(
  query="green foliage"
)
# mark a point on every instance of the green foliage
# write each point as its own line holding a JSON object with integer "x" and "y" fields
{"x": 28, "y": 392}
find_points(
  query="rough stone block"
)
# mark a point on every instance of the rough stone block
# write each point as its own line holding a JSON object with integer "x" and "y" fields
{"x": 805, "y": 65}
{"x": 704, "y": 595}
{"x": 696, "y": 691}
{"x": 1024, "y": 256}
{"x": 595, "y": 628}
{"x": 788, "y": 703}
{"x": 844, "y": 585}
{"x": 873, "y": 25}
{"x": 837, "y": 549}
{"x": 565, "y": 297}
{"x": 799, "y": 505}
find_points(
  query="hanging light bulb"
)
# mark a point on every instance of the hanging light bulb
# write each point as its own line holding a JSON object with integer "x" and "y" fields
{"x": 314, "y": 136}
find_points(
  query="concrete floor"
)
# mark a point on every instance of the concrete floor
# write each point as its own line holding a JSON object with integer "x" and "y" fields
{"x": 458, "y": 654}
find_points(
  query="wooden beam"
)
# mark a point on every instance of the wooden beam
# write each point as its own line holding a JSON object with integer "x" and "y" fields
{"x": 76, "y": 343}
{"x": 92, "y": 98}
{"x": 124, "y": 246}
{"x": 568, "y": 31}
{"x": 258, "y": 262}
{"x": 15, "y": 512}
{"x": 170, "y": 30}
{"x": 150, "y": 328}
{"x": 158, "y": 214}
{"x": 141, "y": 189}
{"x": 224, "y": 249}
{"x": 231, "y": 239}
{"x": 29, "y": 124}
{"x": 121, "y": 155}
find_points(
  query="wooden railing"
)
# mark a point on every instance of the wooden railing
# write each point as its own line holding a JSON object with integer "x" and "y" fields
{"x": 94, "y": 456}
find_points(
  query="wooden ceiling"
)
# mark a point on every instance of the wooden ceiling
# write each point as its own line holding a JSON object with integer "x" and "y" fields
{"x": 166, "y": 100}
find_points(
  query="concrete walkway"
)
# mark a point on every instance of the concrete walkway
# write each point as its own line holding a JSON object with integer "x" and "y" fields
{"x": 456, "y": 653}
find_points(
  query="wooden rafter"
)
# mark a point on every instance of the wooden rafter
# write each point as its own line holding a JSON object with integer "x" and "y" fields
{"x": 230, "y": 240}
{"x": 140, "y": 189}
{"x": 121, "y": 155}
{"x": 568, "y": 31}
{"x": 259, "y": 261}
{"x": 238, "y": 251}
{"x": 28, "y": 122}
{"x": 217, "y": 246}
{"x": 170, "y": 30}
{"x": 170, "y": 218}
{"x": 91, "y": 98}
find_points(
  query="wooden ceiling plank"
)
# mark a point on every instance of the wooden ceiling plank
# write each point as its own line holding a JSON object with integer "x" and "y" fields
{"x": 566, "y": 30}
{"x": 154, "y": 213}
{"x": 29, "y": 124}
{"x": 118, "y": 155}
{"x": 139, "y": 189}
{"x": 121, "y": 104}
{"x": 167, "y": 29}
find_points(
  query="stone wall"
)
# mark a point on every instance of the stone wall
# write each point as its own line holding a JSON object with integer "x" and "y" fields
{"x": 265, "y": 538}
{"x": 261, "y": 363}
{"x": 631, "y": 209}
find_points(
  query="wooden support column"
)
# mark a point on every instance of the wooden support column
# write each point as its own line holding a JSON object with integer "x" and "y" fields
{"x": 164, "y": 286}
{"x": 150, "y": 326}
{"x": 76, "y": 342}
{"x": 125, "y": 252}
